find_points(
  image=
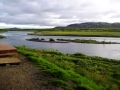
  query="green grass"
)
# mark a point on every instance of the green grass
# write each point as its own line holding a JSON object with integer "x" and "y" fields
{"x": 77, "y": 33}
{"x": 60, "y": 83}
{"x": 94, "y": 32}
{"x": 84, "y": 72}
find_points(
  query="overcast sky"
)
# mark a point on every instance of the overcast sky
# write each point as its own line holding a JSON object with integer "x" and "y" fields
{"x": 50, "y": 13}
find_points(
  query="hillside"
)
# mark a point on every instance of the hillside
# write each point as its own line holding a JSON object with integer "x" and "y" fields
{"x": 94, "y": 25}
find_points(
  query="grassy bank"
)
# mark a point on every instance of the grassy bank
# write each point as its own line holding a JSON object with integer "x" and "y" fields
{"x": 1, "y": 31}
{"x": 91, "y": 32}
{"x": 76, "y": 71}
{"x": 78, "y": 33}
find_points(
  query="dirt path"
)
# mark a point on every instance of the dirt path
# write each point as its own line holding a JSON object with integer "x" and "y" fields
{"x": 23, "y": 77}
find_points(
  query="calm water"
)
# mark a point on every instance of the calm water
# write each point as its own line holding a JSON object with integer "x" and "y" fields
{"x": 103, "y": 50}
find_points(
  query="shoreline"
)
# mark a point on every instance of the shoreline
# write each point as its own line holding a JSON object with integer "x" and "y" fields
{"x": 38, "y": 40}
{"x": 92, "y": 72}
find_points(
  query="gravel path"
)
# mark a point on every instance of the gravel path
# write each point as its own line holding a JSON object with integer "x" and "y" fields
{"x": 23, "y": 77}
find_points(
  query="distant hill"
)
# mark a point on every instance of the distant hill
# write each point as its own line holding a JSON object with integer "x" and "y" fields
{"x": 94, "y": 25}
{"x": 13, "y": 29}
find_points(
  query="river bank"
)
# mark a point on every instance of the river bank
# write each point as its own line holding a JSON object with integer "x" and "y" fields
{"x": 77, "y": 33}
{"x": 75, "y": 71}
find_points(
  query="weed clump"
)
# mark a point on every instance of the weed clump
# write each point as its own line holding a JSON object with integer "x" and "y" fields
{"x": 61, "y": 83}
{"x": 51, "y": 39}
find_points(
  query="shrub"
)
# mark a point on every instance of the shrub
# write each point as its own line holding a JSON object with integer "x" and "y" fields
{"x": 42, "y": 39}
{"x": 51, "y": 39}
{"x": 79, "y": 54}
{"x": 2, "y": 36}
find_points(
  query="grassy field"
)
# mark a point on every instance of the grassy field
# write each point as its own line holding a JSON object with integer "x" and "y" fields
{"x": 94, "y": 32}
{"x": 75, "y": 71}
{"x": 100, "y": 32}
{"x": 79, "y": 33}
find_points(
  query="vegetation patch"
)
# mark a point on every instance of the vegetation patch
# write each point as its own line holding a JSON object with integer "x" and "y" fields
{"x": 87, "y": 41}
{"x": 84, "y": 72}
{"x": 1, "y": 36}
{"x": 61, "y": 83}
{"x": 89, "y": 32}
{"x": 3, "y": 30}
{"x": 51, "y": 39}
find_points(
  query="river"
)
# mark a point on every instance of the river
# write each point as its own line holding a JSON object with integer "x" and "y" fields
{"x": 112, "y": 51}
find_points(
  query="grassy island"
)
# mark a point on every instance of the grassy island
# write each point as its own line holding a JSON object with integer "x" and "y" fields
{"x": 75, "y": 71}
{"x": 87, "y": 41}
{"x": 68, "y": 40}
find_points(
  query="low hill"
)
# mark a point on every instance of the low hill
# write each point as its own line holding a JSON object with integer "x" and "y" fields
{"x": 94, "y": 25}
{"x": 13, "y": 29}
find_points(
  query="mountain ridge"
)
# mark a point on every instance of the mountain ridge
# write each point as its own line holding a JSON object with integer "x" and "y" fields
{"x": 93, "y": 25}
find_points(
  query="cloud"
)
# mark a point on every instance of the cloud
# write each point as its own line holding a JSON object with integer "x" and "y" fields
{"x": 58, "y": 12}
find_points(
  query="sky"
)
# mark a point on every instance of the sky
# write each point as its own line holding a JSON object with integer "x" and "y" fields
{"x": 51, "y": 13}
